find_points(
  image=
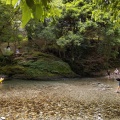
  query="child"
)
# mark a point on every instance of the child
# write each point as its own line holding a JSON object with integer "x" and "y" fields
{"x": 1, "y": 79}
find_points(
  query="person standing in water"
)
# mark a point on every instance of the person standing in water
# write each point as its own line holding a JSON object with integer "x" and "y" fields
{"x": 116, "y": 72}
{"x": 118, "y": 88}
{"x": 108, "y": 73}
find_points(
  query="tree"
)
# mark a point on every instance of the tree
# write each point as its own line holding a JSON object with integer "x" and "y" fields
{"x": 6, "y": 23}
{"x": 9, "y": 24}
{"x": 111, "y": 6}
{"x": 42, "y": 8}
{"x": 100, "y": 39}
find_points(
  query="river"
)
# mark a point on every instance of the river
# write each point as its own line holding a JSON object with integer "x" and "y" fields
{"x": 64, "y": 99}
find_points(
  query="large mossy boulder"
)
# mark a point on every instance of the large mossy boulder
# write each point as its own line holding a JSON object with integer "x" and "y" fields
{"x": 45, "y": 66}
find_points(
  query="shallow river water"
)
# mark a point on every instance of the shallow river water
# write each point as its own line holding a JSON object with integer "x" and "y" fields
{"x": 60, "y": 99}
{"x": 72, "y": 81}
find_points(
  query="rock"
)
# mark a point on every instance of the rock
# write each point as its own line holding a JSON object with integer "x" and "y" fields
{"x": 2, "y": 118}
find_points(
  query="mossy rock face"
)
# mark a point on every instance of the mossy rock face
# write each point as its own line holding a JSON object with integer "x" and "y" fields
{"x": 44, "y": 67}
{"x": 12, "y": 70}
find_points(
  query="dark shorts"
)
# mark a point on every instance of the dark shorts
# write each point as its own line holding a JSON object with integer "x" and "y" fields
{"x": 108, "y": 74}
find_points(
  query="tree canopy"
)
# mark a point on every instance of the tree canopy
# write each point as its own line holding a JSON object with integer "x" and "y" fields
{"x": 39, "y": 9}
{"x": 8, "y": 27}
{"x": 111, "y": 6}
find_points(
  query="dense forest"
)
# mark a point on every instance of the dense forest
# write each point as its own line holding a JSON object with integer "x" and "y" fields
{"x": 78, "y": 32}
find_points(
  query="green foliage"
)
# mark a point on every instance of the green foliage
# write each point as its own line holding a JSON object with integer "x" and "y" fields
{"x": 47, "y": 34}
{"x": 46, "y": 8}
{"x": 8, "y": 28}
{"x": 62, "y": 41}
{"x": 44, "y": 32}
{"x": 39, "y": 30}
{"x": 70, "y": 39}
{"x": 34, "y": 9}
{"x": 97, "y": 33}
{"x": 112, "y": 7}
{"x": 111, "y": 40}
{"x": 82, "y": 32}
{"x": 6, "y": 12}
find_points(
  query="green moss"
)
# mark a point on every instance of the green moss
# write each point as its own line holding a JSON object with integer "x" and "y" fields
{"x": 45, "y": 67}
{"x": 37, "y": 73}
{"x": 42, "y": 55}
{"x": 11, "y": 70}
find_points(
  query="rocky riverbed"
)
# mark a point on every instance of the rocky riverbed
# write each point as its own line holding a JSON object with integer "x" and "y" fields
{"x": 64, "y": 99}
